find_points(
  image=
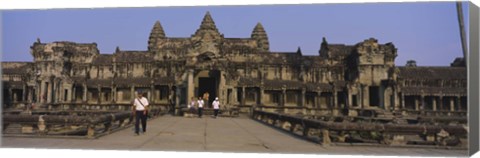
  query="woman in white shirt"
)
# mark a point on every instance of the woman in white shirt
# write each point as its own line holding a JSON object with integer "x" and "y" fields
{"x": 216, "y": 107}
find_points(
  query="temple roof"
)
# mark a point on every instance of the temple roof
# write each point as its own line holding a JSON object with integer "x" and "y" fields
{"x": 138, "y": 81}
{"x": 434, "y": 91}
{"x": 446, "y": 73}
{"x": 103, "y": 59}
{"x": 133, "y": 56}
{"x": 21, "y": 69}
{"x": 99, "y": 82}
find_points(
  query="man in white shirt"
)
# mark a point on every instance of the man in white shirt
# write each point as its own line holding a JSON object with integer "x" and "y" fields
{"x": 200, "y": 106}
{"x": 140, "y": 108}
{"x": 216, "y": 107}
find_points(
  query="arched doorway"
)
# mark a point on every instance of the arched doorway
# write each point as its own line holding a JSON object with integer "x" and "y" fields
{"x": 207, "y": 81}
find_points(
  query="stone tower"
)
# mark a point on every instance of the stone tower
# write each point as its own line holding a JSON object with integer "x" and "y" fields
{"x": 156, "y": 34}
{"x": 259, "y": 35}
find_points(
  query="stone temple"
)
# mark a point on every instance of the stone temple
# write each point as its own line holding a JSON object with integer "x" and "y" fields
{"x": 242, "y": 72}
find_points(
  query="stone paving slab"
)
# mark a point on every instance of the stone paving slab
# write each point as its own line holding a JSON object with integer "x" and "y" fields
{"x": 170, "y": 133}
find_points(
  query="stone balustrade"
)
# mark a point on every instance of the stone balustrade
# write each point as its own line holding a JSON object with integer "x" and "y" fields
{"x": 328, "y": 132}
{"x": 71, "y": 123}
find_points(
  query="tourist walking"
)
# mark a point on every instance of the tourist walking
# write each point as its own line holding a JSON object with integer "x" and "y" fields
{"x": 200, "y": 106}
{"x": 191, "y": 106}
{"x": 140, "y": 109}
{"x": 216, "y": 107}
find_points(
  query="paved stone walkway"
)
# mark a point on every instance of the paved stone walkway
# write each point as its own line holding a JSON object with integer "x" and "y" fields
{"x": 170, "y": 133}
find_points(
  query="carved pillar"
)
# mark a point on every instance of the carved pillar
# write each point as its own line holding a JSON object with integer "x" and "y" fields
{"x": 152, "y": 94}
{"x": 221, "y": 90}
{"x": 114, "y": 94}
{"x": 284, "y": 96}
{"x": 318, "y": 102}
{"x": 302, "y": 99}
{"x": 349, "y": 98}
{"x": 440, "y": 103}
{"x": 99, "y": 94}
{"x": 403, "y": 100}
{"x": 24, "y": 92}
{"x": 365, "y": 97}
{"x": 452, "y": 103}
{"x": 434, "y": 103}
{"x": 132, "y": 92}
{"x": 11, "y": 95}
{"x": 38, "y": 91}
{"x": 85, "y": 90}
{"x": 459, "y": 105}
{"x": 74, "y": 93}
{"x": 417, "y": 103}
{"x": 49, "y": 91}
{"x": 334, "y": 99}
{"x": 242, "y": 101}
{"x": 190, "y": 85}
{"x": 396, "y": 100}
{"x": 262, "y": 93}
{"x": 422, "y": 102}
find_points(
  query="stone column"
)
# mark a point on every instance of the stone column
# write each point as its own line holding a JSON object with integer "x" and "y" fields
{"x": 284, "y": 96}
{"x": 221, "y": 90}
{"x": 459, "y": 104}
{"x": 452, "y": 104}
{"x": 12, "y": 96}
{"x": 302, "y": 99}
{"x": 50, "y": 92}
{"x": 114, "y": 94}
{"x": 39, "y": 92}
{"x": 85, "y": 90}
{"x": 349, "y": 98}
{"x": 99, "y": 94}
{"x": 440, "y": 103}
{"x": 403, "y": 100}
{"x": 422, "y": 102}
{"x": 434, "y": 103}
{"x": 335, "y": 99}
{"x": 417, "y": 103}
{"x": 242, "y": 102}
{"x": 234, "y": 96}
{"x": 318, "y": 102}
{"x": 132, "y": 92}
{"x": 262, "y": 93}
{"x": 365, "y": 97}
{"x": 152, "y": 94}
{"x": 74, "y": 93}
{"x": 24, "y": 92}
{"x": 190, "y": 85}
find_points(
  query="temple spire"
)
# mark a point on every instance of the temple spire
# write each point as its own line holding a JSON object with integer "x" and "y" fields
{"x": 207, "y": 26}
{"x": 299, "y": 51}
{"x": 156, "y": 34}
{"x": 208, "y": 23}
{"x": 261, "y": 37}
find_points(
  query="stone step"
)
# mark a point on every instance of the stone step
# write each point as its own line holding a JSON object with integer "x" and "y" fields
{"x": 13, "y": 129}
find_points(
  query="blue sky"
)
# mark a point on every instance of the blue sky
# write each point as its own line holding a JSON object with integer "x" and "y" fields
{"x": 426, "y": 32}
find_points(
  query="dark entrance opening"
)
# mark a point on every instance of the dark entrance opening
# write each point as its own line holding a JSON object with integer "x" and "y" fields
{"x": 207, "y": 84}
{"x": 374, "y": 95}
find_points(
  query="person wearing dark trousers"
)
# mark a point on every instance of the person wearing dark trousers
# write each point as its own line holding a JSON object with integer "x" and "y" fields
{"x": 216, "y": 107}
{"x": 140, "y": 109}
{"x": 200, "y": 106}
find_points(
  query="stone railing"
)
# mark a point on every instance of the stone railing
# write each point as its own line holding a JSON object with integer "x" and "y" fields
{"x": 223, "y": 112}
{"x": 82, "y": 123}
{"x": 81, "y": 106}
{"x": 328, "y": 132}
{"x": 432, "y": 113}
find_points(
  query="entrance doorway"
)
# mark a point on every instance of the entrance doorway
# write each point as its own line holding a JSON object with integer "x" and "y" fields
{"x": 208, "y": 83}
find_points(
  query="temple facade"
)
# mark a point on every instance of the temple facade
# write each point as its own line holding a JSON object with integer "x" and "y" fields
{"x": 239, "y": 71}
